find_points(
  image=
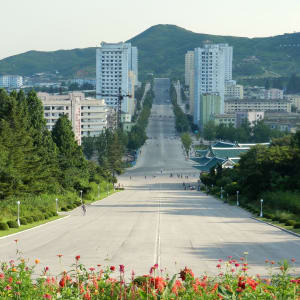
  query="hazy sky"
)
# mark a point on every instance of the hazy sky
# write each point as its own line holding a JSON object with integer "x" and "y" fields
{"x": 64, "y": 24}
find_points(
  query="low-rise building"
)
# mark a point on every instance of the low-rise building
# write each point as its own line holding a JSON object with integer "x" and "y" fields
{"x": 295, "y": 100}
{"x": 210, "y": 104}
{"x": 286, "y": 122}
{"x": 276, "y": 105}
{"x": 225, "y": 119}
{"x": 273, "y": 94}
{"x": 251, "y": 116}
{"x": 88, "y": 116}
{"x": 233, "y": 90}
{"x": 11, "y": 81}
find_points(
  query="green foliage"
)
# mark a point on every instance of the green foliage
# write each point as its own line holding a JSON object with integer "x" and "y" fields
{"x": 3, "y": 226}
{"x": 12, "y": 224}
{"x": 270, "y": 173}
{"x": 181, "y": 119}
{"x": 186, "y": 142}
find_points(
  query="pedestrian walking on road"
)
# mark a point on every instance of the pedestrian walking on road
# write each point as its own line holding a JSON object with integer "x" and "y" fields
{"x": 83, "y": 209}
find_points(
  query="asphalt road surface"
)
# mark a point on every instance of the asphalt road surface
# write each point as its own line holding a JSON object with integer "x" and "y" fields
{"x": 155, "y": 220}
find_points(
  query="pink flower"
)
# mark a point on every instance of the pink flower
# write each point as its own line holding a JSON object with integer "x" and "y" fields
{"x": 218, "y": 266}
{"x": 47, "y": 296}
{"x": 122, "y": 268}
{"x": 8, "y": 287}
{"x": 237, "y": 265}
{"x": 92, "y": 269}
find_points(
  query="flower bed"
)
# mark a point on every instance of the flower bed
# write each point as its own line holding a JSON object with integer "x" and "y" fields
{"x": 233, "y": 282}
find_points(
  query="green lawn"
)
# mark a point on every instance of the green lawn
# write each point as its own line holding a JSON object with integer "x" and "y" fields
{"x": 28, "y": 226}
{"x": 282, "y": 225}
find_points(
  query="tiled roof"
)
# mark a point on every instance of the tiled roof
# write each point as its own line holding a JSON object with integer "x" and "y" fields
{"x": 228, "y": 152}
{"x": 202, "y": 152}
{"x": 212, "y": 163}
{"x": 224, "y": 145}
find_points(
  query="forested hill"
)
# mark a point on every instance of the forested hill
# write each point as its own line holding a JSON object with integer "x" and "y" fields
{"x": 161, "y": 51}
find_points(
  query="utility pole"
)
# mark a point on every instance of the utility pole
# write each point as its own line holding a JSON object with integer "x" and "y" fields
{"x": 119, "y": 105}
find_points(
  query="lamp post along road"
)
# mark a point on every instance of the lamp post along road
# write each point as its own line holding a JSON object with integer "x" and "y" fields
{"x": 18, "y": 221}
{"x": 81, "y": 197}
{"x": 56, "y": 200}
{"x": 261, "y": 208}
{"x": 221, "y": 192}
{"x": 237, "y": 198}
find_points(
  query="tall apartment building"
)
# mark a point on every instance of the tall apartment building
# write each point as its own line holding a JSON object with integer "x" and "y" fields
{"x": 11, "y": 81}
{"x": 88, "y": 116}
{"x": 212, "y": 67}
{"x": 114, "y": 62}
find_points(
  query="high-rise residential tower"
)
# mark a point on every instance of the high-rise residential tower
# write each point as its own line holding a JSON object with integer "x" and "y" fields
{"x": 212, "y": 67}
{"x": 114, "y": 62}
{"x": 189, "y": 78}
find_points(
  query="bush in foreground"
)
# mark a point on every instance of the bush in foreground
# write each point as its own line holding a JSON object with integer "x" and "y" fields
{"x": 18, "y": 281}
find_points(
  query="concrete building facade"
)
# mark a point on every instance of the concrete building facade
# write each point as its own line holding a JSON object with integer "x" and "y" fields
{"x": 114, "y": 62}
{"x": 251, "y": 116}
{"x": 11, "y": 81}
{"x": 212, "y": 69}
{"x": 88, "y": 116}
{"x": 276, "y": 105}
{"x": 233, "y": 90}
{"x": 210, "y": 104}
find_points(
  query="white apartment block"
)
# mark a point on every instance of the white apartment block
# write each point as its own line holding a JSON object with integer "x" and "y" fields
{"x": 11, "y": 81}
{"x": 233, "y": 90}
{"x": 114, "y": 61}
{"x": 273, "y": 94}
{"x": 275, "y": 105}
{"x": 213, "y": 66}
{"x": 251, "y": 116}
{"x": 88, "y": 116}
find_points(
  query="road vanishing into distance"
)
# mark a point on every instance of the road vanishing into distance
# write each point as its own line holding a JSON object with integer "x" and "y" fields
{"x": 154, "y": 220}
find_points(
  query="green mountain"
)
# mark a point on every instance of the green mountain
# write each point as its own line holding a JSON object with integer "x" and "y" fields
{"x": 161, "y": 51}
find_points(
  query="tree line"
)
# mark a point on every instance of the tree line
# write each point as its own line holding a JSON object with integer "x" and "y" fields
{"x": 258, "y": 132}
{"x": 34, "y": 160}
{"x": 270, "y": 173}
{"x": 110, "y": 146}
{"x": 181, "y": 119}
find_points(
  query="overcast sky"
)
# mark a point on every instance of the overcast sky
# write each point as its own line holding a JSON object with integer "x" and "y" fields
{"x": 65, "y": 24}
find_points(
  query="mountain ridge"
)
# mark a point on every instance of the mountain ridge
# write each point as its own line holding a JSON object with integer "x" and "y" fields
{"x": 161, "y": 51}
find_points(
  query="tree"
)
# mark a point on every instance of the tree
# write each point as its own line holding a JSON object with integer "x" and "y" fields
{"x": 186, "y": 142}
{"x": 88, "y": 146}
{"x": 209, "y": 131}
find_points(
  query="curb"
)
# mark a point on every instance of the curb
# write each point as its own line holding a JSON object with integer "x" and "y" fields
{"x": 283, "y": 229}
{"x": 29, "y": 229}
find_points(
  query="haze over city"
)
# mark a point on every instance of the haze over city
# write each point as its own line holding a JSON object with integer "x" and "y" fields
{"x": 52, "y": 25}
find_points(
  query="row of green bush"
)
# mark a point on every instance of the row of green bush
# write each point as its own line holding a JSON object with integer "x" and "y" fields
{"x": 27, "y": 220}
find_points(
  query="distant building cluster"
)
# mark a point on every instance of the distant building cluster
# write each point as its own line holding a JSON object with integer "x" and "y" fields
{"x": 215, "y": 96}
{"x": 11, "y": 81}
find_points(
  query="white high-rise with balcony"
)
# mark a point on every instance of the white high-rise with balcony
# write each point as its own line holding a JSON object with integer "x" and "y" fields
{"x": 114, "y": 61}
{"x": 11, "y": 81}
{"x": 212, "y": 68}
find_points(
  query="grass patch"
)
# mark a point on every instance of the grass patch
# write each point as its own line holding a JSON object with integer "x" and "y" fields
{"x": 28, "y": 226}
{"x": 282, "y": 225}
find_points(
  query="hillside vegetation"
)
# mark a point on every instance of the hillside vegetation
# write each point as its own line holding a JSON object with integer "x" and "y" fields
{"x": 161, "y": 51}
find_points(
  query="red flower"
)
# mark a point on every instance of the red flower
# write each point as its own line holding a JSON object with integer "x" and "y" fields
{"x": 62, "y": 282}
{"x": 77, "y": 257}
{"x": 2, "y": 275}
{"x": 47, "y": 296}
{"x": 183, "y": 273}
{"x": 160, "y": 283}
{"x": 92, "y": 269}
{"x": 122, "y": 268}
{"x": 59, "y": 255}
{"x": 112, "y": 268}
{"x": 237, "y": 265}
{"x": 218, "y": 266}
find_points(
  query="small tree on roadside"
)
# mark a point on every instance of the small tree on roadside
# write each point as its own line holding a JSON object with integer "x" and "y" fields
{"x": 186, "y": 142}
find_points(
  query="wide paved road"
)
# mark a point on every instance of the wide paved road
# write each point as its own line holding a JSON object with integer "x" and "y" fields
{"x": 154, "y": 220}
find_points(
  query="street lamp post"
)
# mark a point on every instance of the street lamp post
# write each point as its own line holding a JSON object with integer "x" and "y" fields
{"x": 18, "y": 221}
{"x": 81, "y": 197}
{"x": 237, "y": 198}
{"x": 261, "y": 208}
{"x": 56, "y": 200}
{"x": 221, "y": 192}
